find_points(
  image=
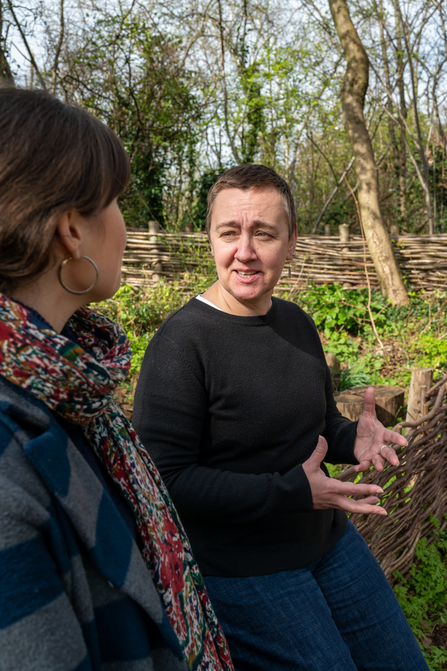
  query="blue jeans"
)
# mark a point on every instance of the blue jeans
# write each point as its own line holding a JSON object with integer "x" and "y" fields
{"x": 337, "y": 614}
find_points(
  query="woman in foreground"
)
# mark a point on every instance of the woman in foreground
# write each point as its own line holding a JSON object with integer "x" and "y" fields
{"x": 95, "y": 568}
{"x": 235, "y": 405}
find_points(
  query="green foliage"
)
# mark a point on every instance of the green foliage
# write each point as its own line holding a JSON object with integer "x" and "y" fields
{"x": 355, "y": 376}
{"x": 197, "y": 216}
{"x": 133, "y": 77}
{"x": 335, "y": 310}
{"x": 423, "y": 596}
{"x": 431, "y": 351}
{"x": 139, "y": 345}
{"x": 140, "y": 311}
{"x": 143, "y": 200}
{"x": 340, "y": 314}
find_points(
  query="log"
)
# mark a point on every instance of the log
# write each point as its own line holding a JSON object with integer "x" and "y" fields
{"x": 420, "y": 377}
{"x": 389, "y": 402}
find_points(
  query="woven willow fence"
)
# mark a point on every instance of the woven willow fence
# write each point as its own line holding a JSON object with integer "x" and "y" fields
{"x": 150, "y": 257}
{"x": 414, "y": 491}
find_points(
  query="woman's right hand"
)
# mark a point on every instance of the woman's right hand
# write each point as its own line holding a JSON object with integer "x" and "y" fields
{"x": 331, "y": 493}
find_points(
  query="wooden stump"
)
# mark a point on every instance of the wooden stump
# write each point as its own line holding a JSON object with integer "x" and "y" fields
{"x": 421, "y": 380}
{"x": 389, "y": 401}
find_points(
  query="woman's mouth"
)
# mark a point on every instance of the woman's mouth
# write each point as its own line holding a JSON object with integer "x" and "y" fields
{"x": 247, "y": 276}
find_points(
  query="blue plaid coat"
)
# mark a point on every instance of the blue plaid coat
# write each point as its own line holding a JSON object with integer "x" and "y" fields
{"x": 75, "y": 593}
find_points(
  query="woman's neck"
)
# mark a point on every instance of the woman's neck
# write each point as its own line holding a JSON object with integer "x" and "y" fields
{"x": 49, "y": 300}
{"x": 235, "y": 306}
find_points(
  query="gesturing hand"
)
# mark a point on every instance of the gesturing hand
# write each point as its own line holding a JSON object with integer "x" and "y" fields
{"x": 330, "y": 493}
{"x": 371, "y": 436}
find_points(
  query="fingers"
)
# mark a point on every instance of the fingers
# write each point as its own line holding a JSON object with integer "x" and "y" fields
{"x": 366, "y": 506}
{"x": 370, "y": 499}
{"x": 378, "y": 461}
{"x": 360, "y": 507}
{"x": 387, "y": 453}
{"x": 393, "y": 437}
{"x": 378, "y": 458}
{"x": 351, "y": 489}
{"x": 331, "y": 493}
{"x": 369, "y": 403}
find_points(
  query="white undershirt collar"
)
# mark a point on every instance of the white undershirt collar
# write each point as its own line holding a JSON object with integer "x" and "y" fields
{"x": 205, "y": 300}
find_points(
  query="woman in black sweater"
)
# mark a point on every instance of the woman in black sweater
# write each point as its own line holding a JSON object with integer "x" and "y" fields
{"x": 235, "y": 405}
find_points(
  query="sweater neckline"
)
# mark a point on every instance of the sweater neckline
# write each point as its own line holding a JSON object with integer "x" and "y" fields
{"x": 220, "y": 315}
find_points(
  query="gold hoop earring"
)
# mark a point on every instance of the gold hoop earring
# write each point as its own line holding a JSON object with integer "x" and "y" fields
{"x": 71, "y": 291}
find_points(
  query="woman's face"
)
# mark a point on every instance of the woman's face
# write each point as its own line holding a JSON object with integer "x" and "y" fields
{"x": 104, "y": 241}
{"x": 249, "y": 237}
{"x": 111, "y": 242}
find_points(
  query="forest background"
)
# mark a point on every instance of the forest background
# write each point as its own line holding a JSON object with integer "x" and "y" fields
{"x": 195, "y": 86}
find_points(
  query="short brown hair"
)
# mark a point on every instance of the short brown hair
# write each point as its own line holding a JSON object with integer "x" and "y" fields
{"x": 54, "y": 157}
{"x": 252, "y": 176}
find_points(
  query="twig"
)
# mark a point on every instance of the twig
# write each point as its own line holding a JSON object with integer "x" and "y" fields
{"x": 25, "y": 42}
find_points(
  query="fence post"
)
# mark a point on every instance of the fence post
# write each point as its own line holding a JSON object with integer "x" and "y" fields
{"x": 394, "y": 232}
{"x": 154, "y": 228}
{"x": 344, "y": 236}
{"x": 421, "y": 381}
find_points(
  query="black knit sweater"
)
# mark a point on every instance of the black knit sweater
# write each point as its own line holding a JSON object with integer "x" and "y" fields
{"x": 229, "y": 408}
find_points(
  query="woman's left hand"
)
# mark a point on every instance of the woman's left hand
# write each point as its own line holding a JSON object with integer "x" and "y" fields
{"x": 371, "y": 436}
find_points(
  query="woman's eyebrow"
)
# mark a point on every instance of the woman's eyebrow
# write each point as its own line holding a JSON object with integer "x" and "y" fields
{"x": 224, "y": 224}
{"x": 257, "y": 222}
{"x": 265, "y": 224}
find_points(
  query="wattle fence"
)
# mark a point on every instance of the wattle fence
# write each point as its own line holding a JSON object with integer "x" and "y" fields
{"x": 154, "y": 255}
{"x": 415, "y": 492}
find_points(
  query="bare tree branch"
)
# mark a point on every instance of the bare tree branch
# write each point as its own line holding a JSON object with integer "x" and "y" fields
{"x": 25, "y": 42}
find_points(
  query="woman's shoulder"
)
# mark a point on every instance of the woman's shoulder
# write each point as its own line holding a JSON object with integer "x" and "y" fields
{"x": 21, "y": 487}
{"x": 293, "y": 311}
{"x": 189, "y": 321}
{"x": 20, "y": 411}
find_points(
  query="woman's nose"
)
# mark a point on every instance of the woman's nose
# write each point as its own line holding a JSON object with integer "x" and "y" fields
{"x": 245, "y": 250}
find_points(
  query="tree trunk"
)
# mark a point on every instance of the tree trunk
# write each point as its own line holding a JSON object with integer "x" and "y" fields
{"x": 403, "y": 109}
{"x": 425, "y": 183}
{"x": 386, "y": 69}
{"x": 354, "y": 88}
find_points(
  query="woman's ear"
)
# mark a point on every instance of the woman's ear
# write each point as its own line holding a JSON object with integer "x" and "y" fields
{"x": 291, "y": 246}
{"x": 69, "y": 233}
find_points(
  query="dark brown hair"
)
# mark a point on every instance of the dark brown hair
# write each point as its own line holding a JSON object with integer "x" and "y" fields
{"x": 252, "y": 176}
{"x": 54, "y": 157}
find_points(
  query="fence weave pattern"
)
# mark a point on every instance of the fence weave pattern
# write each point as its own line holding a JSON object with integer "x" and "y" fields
{"x": 319, "y": 259}
{"x": 414, "y": 491}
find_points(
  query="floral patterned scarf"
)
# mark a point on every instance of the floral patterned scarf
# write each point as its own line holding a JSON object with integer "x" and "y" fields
{"x": 77, "y": 380}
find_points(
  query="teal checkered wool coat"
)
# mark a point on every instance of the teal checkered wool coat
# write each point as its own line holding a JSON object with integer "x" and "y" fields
{"x": 75, "y": 593}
